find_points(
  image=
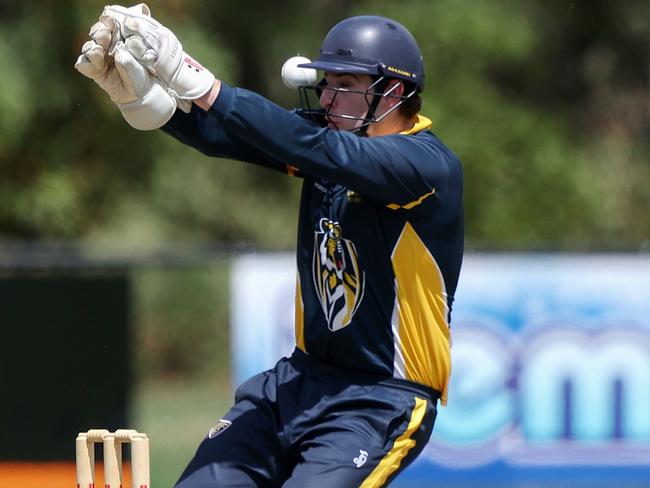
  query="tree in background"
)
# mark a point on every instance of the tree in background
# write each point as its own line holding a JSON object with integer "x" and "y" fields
{"x": 546, "y": 103}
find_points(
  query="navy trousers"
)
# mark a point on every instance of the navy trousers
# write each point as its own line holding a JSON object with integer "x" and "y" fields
{"x": 305, "y": 424}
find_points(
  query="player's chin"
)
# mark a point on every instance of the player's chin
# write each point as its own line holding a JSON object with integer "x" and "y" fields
{"x": 332, "y": 124}
{"x": 337, "y": 123}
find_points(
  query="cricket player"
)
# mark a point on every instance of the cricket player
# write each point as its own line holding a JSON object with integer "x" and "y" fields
{"x": 379, "y": 247}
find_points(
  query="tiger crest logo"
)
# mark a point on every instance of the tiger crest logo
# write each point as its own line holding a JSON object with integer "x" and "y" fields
{"x": 338, "y": 279}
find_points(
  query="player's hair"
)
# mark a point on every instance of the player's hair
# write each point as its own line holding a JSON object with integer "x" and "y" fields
{"x": 412, "y": 105}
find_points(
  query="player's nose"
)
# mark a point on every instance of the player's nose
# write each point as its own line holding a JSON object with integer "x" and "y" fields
{"x": 326, "y": 98}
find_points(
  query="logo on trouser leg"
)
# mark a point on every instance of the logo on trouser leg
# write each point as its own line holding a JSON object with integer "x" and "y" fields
{"x": 219, "y": 428}
{"x": 361, "y": 459}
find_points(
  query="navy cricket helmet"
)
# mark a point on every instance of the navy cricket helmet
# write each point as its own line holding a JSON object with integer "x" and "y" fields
{"x": 367, "y": 45}
{"x": 372, "y": 45}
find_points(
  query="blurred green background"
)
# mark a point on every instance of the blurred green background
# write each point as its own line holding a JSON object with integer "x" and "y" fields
{"x": 545, "y": 101}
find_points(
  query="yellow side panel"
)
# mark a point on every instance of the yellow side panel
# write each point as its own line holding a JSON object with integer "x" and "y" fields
{"x": 420, "y": 328}
{"x": 403, "y": 444}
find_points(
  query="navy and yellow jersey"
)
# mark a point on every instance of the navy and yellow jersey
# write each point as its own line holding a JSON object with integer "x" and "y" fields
{"x": 380, "y": 235}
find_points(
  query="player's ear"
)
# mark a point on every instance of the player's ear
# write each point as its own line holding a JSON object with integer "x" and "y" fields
{"x": 395, "y": 88}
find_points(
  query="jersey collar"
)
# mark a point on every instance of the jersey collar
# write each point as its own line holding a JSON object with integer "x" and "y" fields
{"x": 422, "y": 123}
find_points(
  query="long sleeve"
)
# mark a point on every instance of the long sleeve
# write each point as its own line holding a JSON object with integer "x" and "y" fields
{"x": 202, "y": 130}
{"x": 398, "y": 170}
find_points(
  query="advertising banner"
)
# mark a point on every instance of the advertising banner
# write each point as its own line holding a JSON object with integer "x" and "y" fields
{"x": 551, "y": 368}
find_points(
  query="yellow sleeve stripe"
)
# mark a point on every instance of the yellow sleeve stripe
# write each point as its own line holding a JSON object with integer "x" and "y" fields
{"x": 409, "y": 206}
{"x": 403, "y": 444}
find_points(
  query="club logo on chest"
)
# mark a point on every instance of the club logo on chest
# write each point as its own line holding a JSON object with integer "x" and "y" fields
{"x": 338, "y": 279}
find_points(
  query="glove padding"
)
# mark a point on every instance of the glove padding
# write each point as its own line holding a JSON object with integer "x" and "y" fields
{"x": 140, "y": 96}
{"x": 157, "y": 48}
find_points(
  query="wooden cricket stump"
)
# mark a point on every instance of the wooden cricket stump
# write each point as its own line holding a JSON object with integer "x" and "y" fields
{"x": 112, "y": 446}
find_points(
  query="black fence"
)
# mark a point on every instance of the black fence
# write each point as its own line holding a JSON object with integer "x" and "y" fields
{"x": 65, "y": 364}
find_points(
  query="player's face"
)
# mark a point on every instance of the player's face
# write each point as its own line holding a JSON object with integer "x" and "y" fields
{"x": 352, "y": 101}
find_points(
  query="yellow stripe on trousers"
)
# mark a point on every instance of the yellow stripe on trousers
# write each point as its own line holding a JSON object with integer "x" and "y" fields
{"x": 403, "y": 444}
{"x": 300, "y": 318}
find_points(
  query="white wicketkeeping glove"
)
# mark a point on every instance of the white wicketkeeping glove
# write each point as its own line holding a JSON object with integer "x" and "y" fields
{"x": 140, "y": 96}
{"x": 157, "y": 48}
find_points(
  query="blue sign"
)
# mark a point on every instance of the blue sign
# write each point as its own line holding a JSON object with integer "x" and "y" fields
{"x": 551, "y": 368}
{"x": 551, "y": 375}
